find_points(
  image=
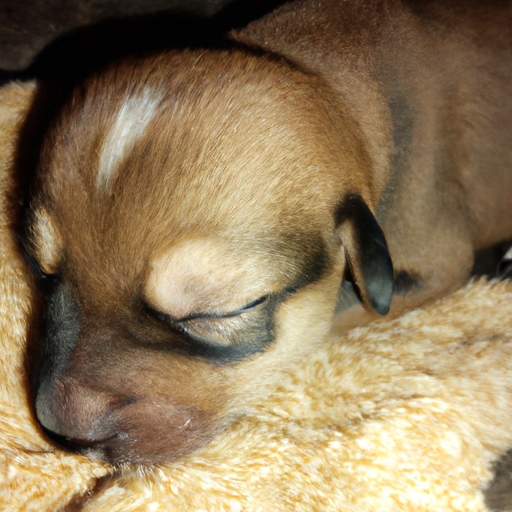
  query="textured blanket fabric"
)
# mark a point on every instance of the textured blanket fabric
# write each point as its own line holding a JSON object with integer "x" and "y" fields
{"x": 403, "y": 415}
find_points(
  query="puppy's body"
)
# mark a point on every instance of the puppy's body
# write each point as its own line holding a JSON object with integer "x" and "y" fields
{"x": 199, "y": 209}
{"x": 428, "y": 84}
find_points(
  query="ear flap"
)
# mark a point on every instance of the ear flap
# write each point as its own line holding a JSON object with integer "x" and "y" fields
{"x": 367, "y": 252}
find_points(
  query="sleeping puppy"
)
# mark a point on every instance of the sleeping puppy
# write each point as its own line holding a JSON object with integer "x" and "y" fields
{"x": 203, "y": 217}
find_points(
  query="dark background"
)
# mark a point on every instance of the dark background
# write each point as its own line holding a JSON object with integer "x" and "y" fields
{"x": 68, "y": 38}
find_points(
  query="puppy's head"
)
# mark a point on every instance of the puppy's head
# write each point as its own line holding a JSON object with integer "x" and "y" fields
{"x": 192, "y": 222}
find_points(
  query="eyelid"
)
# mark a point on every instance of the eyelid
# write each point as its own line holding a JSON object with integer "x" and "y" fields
{"x": 251, "y": 305}
{"x": 36, "y": 267}
{"x": 198, "y": 316}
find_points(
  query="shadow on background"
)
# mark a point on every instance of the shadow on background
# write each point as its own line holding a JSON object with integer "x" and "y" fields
{"x": 71, "y": 57}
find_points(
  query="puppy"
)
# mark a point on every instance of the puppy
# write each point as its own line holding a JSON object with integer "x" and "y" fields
{"x": 200, "y": 217}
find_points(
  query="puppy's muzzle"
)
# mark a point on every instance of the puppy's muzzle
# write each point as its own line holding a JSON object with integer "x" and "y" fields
{"x": 118, "y": 429}
{"x": 100, "y": 394}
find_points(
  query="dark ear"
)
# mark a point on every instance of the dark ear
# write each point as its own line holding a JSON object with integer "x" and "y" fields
{"x": 367, "y": 252}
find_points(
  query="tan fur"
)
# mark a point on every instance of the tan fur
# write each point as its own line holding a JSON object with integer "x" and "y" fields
{"x": 201, "y": 208}
{"x": 406, "y": 415}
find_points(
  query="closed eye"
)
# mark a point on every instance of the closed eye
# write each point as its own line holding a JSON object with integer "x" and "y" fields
{"x": 251, "y": 305}
{"x": 160, "y": 315}
{"x": 242, "y": 326}
{"x": 45, "y": 277}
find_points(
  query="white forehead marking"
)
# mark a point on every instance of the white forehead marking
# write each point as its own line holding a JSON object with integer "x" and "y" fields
{"x": 129, "y": 126}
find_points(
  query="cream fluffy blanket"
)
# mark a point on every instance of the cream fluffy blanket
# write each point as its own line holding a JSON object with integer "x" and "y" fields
{"x": 405, "y": 415}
